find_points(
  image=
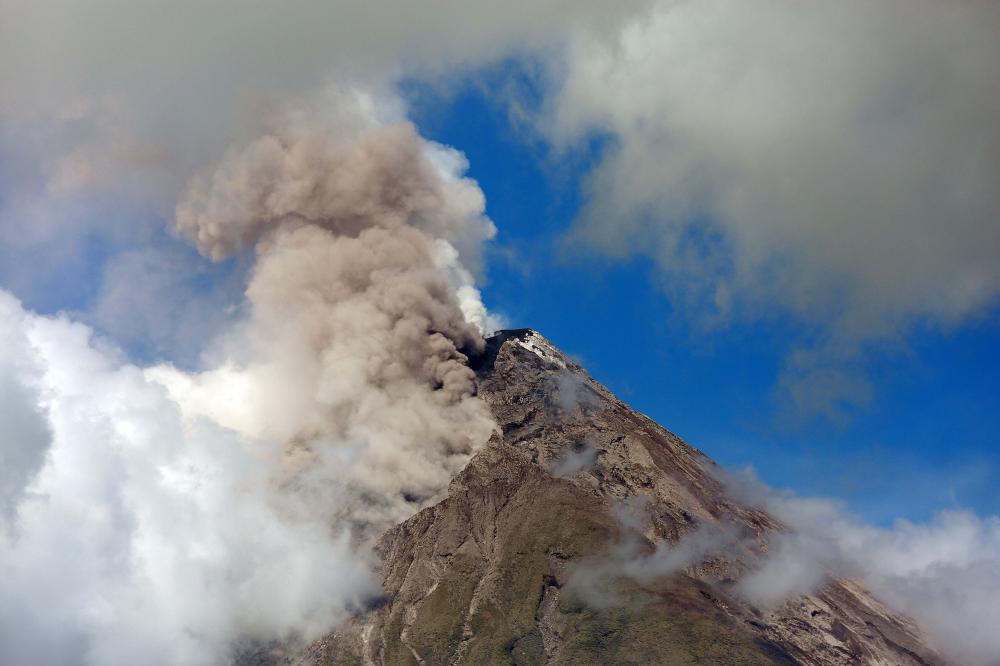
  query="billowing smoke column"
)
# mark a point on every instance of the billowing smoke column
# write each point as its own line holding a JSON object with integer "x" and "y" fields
{"x": 353, "y": 345}
{"x": 150, "y": 515}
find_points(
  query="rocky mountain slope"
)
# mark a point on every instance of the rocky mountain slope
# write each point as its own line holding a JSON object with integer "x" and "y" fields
{"x": 536, "y": 554}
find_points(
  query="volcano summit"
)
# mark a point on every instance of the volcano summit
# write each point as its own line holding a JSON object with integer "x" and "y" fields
{"x": 585, "y": 533}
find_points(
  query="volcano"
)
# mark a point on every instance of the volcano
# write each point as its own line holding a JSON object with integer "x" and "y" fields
{"x": 517, "y": 564}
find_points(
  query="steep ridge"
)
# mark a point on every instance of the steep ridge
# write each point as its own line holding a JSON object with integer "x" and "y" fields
{"x": 522, "y": 562}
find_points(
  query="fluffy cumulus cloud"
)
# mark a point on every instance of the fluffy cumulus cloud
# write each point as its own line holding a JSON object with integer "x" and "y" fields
{"x": 158, "y": 516}
{"x": 833, "y": 161}
{"x": 135, "y": 535}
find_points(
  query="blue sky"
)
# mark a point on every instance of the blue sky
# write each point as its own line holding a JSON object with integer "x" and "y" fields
{"x": 927, "y": 440}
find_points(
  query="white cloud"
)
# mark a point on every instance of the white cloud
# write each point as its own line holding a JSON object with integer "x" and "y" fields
{"x": 944, "y": 573}
{"x": 24, "y": 430}
{"x": 834, "y": 161}
{"x": 145, "y": 537}
{"x": 120, "y": 86}
{"x": 631, "y": 556}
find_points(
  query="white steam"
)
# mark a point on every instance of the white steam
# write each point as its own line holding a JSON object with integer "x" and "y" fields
{"x": 156, "y": 516}
{"x": 580, "y": 457}
{"x": 632, "y": 556}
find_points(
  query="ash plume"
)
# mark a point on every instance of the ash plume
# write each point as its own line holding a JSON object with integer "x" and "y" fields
{"x": 356, "y": 327}
{"x": 165, "y": 517}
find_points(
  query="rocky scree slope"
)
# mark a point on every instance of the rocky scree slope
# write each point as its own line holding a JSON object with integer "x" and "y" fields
{"x": 517, "y": 564}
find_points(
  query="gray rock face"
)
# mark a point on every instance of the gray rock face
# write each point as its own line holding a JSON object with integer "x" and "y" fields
{"x": 524, "y": 561}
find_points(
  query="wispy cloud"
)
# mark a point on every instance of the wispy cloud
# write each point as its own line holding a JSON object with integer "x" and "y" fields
{"x": 945, "y": 573}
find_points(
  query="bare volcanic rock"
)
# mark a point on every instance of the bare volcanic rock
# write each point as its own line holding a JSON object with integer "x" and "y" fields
{"x": 517, "y": 564}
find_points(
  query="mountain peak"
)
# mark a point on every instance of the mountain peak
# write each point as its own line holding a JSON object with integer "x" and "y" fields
{"x": 536, "y": 554}
{"x": 527, "y": 338}
{"x": 537, "y": 344}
